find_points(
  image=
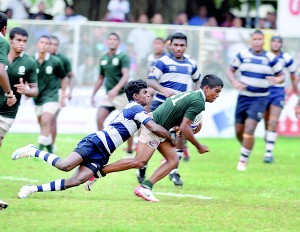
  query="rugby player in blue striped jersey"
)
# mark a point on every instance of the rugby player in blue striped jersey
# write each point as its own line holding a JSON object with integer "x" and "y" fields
{"x": 259, "y": 69}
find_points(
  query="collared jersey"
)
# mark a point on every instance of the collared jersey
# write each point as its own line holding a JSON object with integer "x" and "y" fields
{"x": 50, "y": 73}
{"x": 24, "y": 67}
{"x": 173, "y": 74}
{"x": 254, "y": 69}
{"x": 111, "y": 68}
{"x": 127, "y": 122}
{"x": 171, "y": 113}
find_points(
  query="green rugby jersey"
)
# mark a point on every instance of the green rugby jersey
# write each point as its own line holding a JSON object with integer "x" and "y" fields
{"x": 111, "y": 69}
{"x": 4, "y": 50}
{"x": 172, "y": 111}
{"x": 50, "y": 73}
{"x": 24, "y": 67}
{"x": 65, "y": 61}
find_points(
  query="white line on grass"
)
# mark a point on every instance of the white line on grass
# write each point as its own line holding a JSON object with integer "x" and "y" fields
{"x": 184, "y": 195}
{"x": 17, "y": 178}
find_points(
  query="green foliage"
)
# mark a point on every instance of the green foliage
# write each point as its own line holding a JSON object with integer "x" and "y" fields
{"x": 264, "y": 198}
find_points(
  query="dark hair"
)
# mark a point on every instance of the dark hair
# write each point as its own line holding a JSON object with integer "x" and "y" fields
{"x": 178, "y": 35}
{"x": 169, "y": 37}
{"x": 133, "y": 87}
{"x": 160, "y": 39}
{"x": 3, "y": 20}
{"x": 277, "y": 37}
{"x": 259, "y": 32}
{"x": 54, "y": 37}
{"x": 115, "y": 34}
{"x": 18, "y": 31}
{"x": 211, "y": 81}
{"x": 44, "y": 36}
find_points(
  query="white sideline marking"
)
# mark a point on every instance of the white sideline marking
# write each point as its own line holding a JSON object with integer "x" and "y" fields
{"x": 17, "y": 178}
{"x": 184, "y": 195}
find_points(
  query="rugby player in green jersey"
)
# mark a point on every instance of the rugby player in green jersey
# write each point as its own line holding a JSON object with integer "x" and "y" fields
{"x": 51, "y": 77}
{"x": 10, "y": 98}
{"x": 21, "y": 69}
{"x": 63, "y": 95}
{"x": 179, "y": 110}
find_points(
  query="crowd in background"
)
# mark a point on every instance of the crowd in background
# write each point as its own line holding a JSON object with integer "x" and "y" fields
{"x": 119, "y": 11}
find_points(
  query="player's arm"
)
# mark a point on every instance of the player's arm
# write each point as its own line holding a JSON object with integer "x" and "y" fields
{"x": 196, "y": 78}
{"x": 230, "y": 73}
{"x": 160, "y": 131}
{"x": 4, "y": 83}
{"x": 187, "y": 131}
{"x": 97, "y": 86}
{"x": 71, "y": 83}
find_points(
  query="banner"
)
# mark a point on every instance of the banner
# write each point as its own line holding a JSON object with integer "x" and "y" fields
{"x": 288, "y": 18}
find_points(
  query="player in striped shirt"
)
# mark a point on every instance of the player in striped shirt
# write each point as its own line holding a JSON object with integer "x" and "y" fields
{"x": 93, "y": 151}
{"x": 259, "y": 70}
{"x": 276, "y": 97}
{"x": 171, "y": 75}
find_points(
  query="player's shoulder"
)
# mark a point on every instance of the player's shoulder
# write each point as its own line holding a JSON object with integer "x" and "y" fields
{"x": 286, "y": 56}
{"x": 271, "y": 56}
{"x": 244, "y": 52}
{"x": 28, "y": 59}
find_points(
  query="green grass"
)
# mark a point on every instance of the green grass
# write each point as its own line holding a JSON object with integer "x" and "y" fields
{"x": 264, "y": 198}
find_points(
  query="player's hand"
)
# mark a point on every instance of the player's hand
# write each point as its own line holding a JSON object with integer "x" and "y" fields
{"x": 21, "y": 87}
{"x": 11, "y": 100}
{"x": 202, "y": 149}
{"x": 112, "y": 93}
{"x": 197, "y": 129}
{"x": 174, "y": 138}
{"x": 62, "y": 99}
{"x": 93, "y": 101}
{"x": 168, "y": 92}
{"x": 239, "y": 85}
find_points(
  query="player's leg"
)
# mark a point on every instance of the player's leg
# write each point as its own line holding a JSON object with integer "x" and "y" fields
{"x": 54, "y": 129}
{"x": 271, "y": 134}
{"x": 5, "y": 124}
{"x": 81, "y": 176}
{"x": 102, "y": 114}
{"x": 145, "y": 190}
{"x": 174, "y": 175}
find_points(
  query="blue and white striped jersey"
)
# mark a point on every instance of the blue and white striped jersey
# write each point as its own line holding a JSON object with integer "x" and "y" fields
{"x": 151, "y": 60}
{"x": 289, "y": 65}
{"x": 254, "y": 69}
{"x": 125, "y": 124}
{"x": 173, "y": 74}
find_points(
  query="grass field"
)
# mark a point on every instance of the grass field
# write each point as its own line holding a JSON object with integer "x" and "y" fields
{"x": 264, "y": 198}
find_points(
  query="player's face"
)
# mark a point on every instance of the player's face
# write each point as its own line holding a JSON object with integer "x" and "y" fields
{"x": 276, "y": 45}
{"x": 143, "y": 97}
{"x": 113, "y": 42}
{"x": 168, "y": 45}
{"x": 212, "y": 94}
{"x": 158, "y": 46}
{"x": 178, "y": 47}
{"x": 257, "y": 42}
{"x": 18, "y": 43}
{"x": 43, "y": 45}
{"x": 53, "y": 46}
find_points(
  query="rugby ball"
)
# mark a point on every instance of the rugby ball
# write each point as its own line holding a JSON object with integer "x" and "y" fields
{"x": 197, "y": 120}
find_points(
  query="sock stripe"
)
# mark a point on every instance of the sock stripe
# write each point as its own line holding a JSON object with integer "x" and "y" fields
{"x": 55, "y": 160}
{"x": 37, "y": 153}
{"x": 46, "y": 157}
{"x": 39, "y": 188}
{"x": 62, "y": 184}
{"x": 52, "y": 186}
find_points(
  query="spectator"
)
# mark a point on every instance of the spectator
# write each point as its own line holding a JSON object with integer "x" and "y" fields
{"x": 181, "y": 19}
{"x": 228, "y": 20}
{"x": 70, "y": 15}
{"x": 117, "y": 11}
{"x": 19, "y": 9}
{"x": 41, "y": 15}
{"x": 201, "y": 18}
{"x": 9, "y": 12}
{"x": 270, "y": 21}
{"x": 157, "y": 19}
{"x": 212, "y": 22}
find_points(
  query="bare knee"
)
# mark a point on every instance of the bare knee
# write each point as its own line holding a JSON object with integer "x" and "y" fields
{"x": 272, "y": 125}
{"x": 63, "y": 166}
{"x": 138, "y": 163}
{"x": 75, "y": 182}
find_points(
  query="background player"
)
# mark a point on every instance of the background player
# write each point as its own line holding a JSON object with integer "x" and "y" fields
{"x": 276, "y": 97}
{"x": 259, "y": 69}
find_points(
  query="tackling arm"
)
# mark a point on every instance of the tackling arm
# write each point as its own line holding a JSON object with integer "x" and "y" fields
{"x": 160, "y": 131}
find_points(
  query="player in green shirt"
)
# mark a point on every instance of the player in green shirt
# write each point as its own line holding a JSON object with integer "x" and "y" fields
{"x": 21, "y": 69}
{"x": 51, "y": 77}
{"x": 54, "y": 45}
{"x": 179, "y": 110}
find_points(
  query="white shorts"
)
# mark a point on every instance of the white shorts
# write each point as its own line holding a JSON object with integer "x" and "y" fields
{"x": 49, "y": 107}
{"x": 147, "y": 137}
{"x": 5, "y": 124}
{"x": 119, "y": 102}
